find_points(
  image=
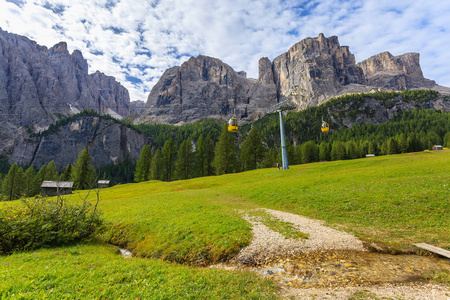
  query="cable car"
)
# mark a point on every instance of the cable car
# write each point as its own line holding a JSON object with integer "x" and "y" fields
{"x": 232, "y": 125}
{"x": 325, "y": 126}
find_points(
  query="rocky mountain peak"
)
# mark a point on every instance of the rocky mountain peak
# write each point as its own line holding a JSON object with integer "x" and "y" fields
{"x": 398, "y": 72}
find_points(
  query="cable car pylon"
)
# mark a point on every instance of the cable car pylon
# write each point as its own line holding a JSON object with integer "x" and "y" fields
{"x": 280, "y": 107}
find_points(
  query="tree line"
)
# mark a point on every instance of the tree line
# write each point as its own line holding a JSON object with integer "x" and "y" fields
{"x": 19, "y": 183}
{"x": 410, "y": 131}
{"x": 206, "y": 148}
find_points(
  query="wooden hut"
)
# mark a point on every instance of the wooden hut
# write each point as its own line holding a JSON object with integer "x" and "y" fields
{"x": 53, "y": 188}
{"x": 103, "y": 184}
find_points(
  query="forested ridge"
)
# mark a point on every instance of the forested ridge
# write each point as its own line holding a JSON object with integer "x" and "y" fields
{"x": 206, "y": 148}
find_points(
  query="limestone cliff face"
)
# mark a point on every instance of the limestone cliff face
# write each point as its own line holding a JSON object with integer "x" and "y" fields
{"x": 206, "y": 87}
{"x": 40, "y": 84}
{"x": 309, "y": 73}
{"x": 314, "y": 70}
{"x": 394, "y": 72}
{"x": 107, "y": 141}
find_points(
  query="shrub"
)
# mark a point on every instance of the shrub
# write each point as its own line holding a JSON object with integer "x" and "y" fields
{"x": 43, "y": 222}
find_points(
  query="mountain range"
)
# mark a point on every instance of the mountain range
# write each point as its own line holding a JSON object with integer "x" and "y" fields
{"x": 40, "y": 85}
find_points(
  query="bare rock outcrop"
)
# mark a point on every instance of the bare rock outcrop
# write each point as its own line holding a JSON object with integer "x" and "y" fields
{"x": 313, "y": 70}
{"x": 206, "y": 87}
{"x": 394, "y": 72}
{"x": 38, "y": 85}
{"x": 309, "y": 73}
{"x": 107, "y": 140}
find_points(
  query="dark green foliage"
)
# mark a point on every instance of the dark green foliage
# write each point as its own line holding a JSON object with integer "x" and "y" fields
{"x": 13, "y": 183}
{"x": 4, "y": 164}
{"x": 337, "y": 151}
{"x": 226, "y": 153}
{"x": 142, "y": 172}
{"x": 121, "y": 172}
{"x": 31, "y": 186}
{"x": 253, "y": 150}
{"x": 185, "y": 160}
{"x": 324, "y": 151}
{"x": 43, "y": 222}
{"x": 204, "y": 156}
{"x": 67, "y": 174}
{"x": 157, "y": 165}
{"x": 51, "y": 172}
{"x": 309, "y": 152}
{"x": 168, "y": 160}
{"x": 391, "y": 146}
{"x": 83, "y": 174}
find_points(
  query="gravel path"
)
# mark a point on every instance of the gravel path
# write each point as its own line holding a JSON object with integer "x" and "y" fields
{"x": 267, "y": 244}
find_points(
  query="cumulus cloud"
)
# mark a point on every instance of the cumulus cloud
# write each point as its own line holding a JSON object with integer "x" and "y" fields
{"x": 136, "y": 41}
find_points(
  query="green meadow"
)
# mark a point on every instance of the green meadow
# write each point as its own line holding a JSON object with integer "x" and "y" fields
{"x": 176, "y": 229}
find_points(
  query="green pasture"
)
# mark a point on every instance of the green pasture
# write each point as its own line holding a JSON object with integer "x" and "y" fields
{"x": 391, "y": 201}
{"x": 97, "y": 271}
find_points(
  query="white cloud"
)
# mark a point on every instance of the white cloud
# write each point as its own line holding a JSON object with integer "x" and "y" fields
{"x": 144, "y": 38}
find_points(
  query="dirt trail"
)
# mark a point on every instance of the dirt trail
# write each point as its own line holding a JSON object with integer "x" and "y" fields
{"x": 334, "y": 265}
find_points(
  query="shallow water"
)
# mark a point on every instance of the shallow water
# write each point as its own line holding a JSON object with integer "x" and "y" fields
{"x": 349, "y": 268}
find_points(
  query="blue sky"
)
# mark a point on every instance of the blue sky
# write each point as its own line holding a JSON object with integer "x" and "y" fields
{"x": 136, "y": 41}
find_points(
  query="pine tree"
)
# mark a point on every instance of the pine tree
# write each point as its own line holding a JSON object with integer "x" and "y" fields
{"x": 209, "y": 155}
{"x": 185, "y": 160}
{"x": 270, "y": 159}
{"x": 42, "y": 173}
{"x": 142, "y": 172}
{"x": 413, "y": 143}
{"x": 337, "y": 151}
{"x": 352, "y": 150}
{"x": 324, "y": 151}
{"x": 67, "y": 174}
{"x": 309, "y": 152}
{"x": 225, "y": 159}
{"x": 52, "y": 172}
{"x": 13, "y": 183}
{"x": 252, "y": 150}
{"x": 31, "y": 183}
{"x": 402, "y": 143}
{"x": 391, "y": 147}
{"x": 156, "y": 166}
{"x": 83, "y": 174}
{"x": 168, "y": 159}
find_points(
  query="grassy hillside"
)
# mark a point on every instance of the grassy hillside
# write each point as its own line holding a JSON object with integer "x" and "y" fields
{"x": 393, "y": 201}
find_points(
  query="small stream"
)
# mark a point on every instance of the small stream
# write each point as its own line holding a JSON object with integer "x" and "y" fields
{"x": 347, "y": 268}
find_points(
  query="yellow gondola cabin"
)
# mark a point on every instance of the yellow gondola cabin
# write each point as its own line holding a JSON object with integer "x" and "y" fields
{"x": 232, "y": 125}
{"x": 325, "y": 127}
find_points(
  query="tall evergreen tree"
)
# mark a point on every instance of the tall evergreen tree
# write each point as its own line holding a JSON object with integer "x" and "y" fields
{"x": 413, "y": 143}
{"x": 13, "y": 183}
{"x": 391, "y": 146}
{"x": 309, "y": 152}
{"x": 270, "y": 159}
{"x": 324, "y": 151}
{"x": 83, "y": 174}
{"x": 142, "y": 172}
{"x": 52, "y": 172}
{"x": 402, "y": 143}
{"x": 226, "y": 152}
{"x": 42, "y": 173}
{"x": 156, "y": 167}
{"x": 337, "y": 151}
{"x": 352, "y": 150}
{"x": 168, "y": 158}
{"x": 31, "y": 183}
{"x": 185, "y": 160}
{"x": 67, "y": 174}
{"x": 253, "y": 150}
